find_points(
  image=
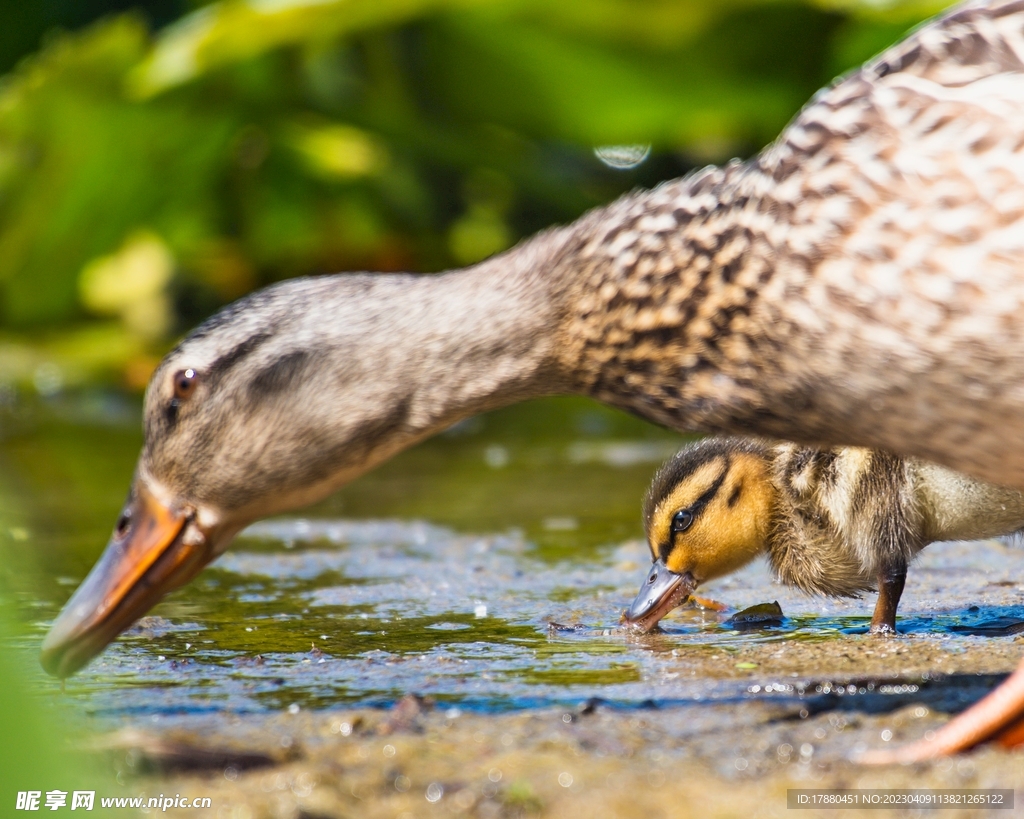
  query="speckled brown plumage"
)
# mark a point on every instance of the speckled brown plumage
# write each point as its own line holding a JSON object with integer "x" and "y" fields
{"x": 851, "y": 283}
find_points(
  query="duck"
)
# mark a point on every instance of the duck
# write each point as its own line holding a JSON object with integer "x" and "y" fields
{"x": 859, "y": 282}
{"x": 834, "y": 521}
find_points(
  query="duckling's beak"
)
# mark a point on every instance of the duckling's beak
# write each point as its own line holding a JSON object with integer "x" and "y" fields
{"x": 661, "y": 592}
{"x": 154, "y": 548}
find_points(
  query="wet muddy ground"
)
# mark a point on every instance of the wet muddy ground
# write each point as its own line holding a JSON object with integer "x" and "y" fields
{"x": 442, "y": 639}
{"x": 719, "y": 760}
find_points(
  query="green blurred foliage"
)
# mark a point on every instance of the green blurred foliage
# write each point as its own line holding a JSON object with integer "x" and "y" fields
{"x": 43, "y": 747}
{"x": 27, "y": 25}
{"x": 146, "y": 179}
{"x": 37, "y": 752}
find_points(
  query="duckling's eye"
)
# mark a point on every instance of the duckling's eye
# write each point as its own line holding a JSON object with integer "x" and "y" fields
{"x": 681, "y": 521}
{"x": 184, "y": 383}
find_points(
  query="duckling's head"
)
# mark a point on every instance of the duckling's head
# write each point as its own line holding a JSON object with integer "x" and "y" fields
{"x": 706, "y": 513}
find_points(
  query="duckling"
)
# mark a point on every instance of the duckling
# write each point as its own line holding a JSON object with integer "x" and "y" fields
{"x": 851, "y": 284}
{"x": 838, "y": 521}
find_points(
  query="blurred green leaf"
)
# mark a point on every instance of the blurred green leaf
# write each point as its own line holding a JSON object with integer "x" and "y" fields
{"x": 226, "y": 32}
{"x": 91, "y": 167}
{"x": 337, "y": 151}
{"x": 40, "y": 732}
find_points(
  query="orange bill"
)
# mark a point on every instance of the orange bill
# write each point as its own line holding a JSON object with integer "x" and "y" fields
{"x": 148, "y": 555}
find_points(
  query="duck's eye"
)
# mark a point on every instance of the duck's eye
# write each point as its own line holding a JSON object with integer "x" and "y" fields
{"x": 185, "y": 383}
{"x": 681, "y": 521}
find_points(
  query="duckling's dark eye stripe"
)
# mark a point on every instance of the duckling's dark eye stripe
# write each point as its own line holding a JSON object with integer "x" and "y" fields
{"x": 698, "y": 505}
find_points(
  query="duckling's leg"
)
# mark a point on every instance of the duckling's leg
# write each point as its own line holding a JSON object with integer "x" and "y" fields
{"x": 890, "y": 588}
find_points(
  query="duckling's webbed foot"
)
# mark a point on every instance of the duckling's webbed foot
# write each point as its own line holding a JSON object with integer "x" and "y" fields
{"x": 890, "y": 589}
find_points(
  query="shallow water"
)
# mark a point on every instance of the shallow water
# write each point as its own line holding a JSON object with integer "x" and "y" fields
{"x": 504, "y": 513}
{"x": 486, "y": 568}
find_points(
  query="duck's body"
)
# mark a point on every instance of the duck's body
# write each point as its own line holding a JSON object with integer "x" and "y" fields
{"x": 838, "y": 521}
{"x": 850, "y": 285}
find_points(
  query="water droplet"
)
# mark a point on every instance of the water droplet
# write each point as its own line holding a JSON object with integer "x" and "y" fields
{"x": 622, "y": 157}
{"x": 434, "y": 792}
{"x": 565, "y": 779}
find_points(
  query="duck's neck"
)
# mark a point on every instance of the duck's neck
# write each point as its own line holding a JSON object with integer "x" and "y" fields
{"x": 644, "y": 304}
{"x": 663, "y": 289}
{"x": 694, "y": 305}
{"x": 483, "y": 337}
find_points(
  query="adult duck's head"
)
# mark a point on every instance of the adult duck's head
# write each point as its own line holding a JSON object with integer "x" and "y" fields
{"x": 282, "y": 398}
